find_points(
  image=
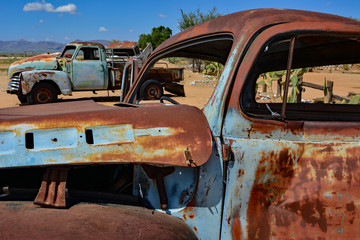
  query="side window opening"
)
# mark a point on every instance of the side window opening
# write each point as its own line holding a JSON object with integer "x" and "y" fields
{"x": 324, "y": 81}
{"x": 86, "y": 53}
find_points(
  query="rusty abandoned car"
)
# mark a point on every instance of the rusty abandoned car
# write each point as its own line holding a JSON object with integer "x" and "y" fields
{"x": 284, "y": 166}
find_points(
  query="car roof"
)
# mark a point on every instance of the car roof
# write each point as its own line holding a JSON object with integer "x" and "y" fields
{"x": 240, "y": 24}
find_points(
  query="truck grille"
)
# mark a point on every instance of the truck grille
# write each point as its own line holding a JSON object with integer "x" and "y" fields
{"x": 14, "y": 84}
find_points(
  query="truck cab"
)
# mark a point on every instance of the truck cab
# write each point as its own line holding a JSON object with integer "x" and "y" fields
{"x": 85, "y": 64}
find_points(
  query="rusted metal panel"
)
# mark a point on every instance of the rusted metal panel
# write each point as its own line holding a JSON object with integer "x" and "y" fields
{"x": 67, "y": 133}
{"x": 124, "y": 44}
{"x": 61, "y": 79}
{"x": 285, "y": 190}
{"x": 240, "y": 23}
{"x": 164, "y": 75}
{"x": 52, "y": 190}
{"x": 23, "y": 220}
{"x": 42, "y": 62}
{"x": 86, "y": 44}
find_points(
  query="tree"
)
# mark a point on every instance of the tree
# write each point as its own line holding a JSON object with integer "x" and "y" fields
{"x": 157, "y": 36}
{"x": 191, "y": 19}
{"x": 195, "y": 17}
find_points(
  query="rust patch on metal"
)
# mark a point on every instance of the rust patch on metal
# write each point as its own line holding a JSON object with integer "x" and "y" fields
{"x": 124, "y": 44}
{"x": 52, "y": 190}
{"x": 26, "y": 86}
{"x": 314, "y": 195}
{"x": 86, "y": 44}
{"x": 236, "y": 227}
{"x": 280, "y": 167}
{"x": 337, "y": 130}
{"x": 42, "y": 58}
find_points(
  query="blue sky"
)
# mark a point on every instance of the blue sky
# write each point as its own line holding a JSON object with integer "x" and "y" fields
{"x": 67, "y": 20}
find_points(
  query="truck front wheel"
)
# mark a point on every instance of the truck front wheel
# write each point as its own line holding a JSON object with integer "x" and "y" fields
{"x": 151, "y": 90}
{"x": 42, "y": 93}
{"x": 22, "y": 98}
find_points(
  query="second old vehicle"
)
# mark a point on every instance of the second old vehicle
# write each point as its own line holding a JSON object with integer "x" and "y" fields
{"x": 86, "y": 66}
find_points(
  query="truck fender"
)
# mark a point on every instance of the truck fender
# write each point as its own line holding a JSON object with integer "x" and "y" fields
{"x": 30, "y": 78}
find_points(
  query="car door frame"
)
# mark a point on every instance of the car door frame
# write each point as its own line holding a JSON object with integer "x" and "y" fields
{"x": 268, "y": 156}
{"x": 89, "y": 74}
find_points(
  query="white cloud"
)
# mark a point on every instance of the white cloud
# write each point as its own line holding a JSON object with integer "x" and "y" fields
{"x": 41, "y": 21}
{"x": 70, "y": 8}
{"x": 162, "y": 15}
{"x": 38, "y": 6}
{"x": 67, "y": 38}
{"x": 102, "y": 29}
{"x": 131, "y": 30}
{"x": 48, "y": 7}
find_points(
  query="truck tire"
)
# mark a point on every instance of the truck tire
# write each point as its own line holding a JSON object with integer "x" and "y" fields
{"x": 42, "y": 92}
{"x": 151, "y": 90}
{"x": 22, "y": 98}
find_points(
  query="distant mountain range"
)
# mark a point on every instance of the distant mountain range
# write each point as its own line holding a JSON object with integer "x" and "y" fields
{"x": 21, "y": 46}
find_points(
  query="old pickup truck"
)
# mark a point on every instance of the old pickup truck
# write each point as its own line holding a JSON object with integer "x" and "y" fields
{"x": 86, "y": 66}
{"x": 245, "y": 167}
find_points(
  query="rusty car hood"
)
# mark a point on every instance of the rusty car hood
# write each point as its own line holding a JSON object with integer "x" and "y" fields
{"x": 38, "y": 62}
{"x": 88, "y": 133}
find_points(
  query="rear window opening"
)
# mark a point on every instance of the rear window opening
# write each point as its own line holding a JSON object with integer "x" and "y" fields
{"x": 324, "y": 81}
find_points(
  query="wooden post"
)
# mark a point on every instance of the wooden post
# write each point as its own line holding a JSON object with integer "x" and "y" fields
{"x": 278, "y": 89}
{"x": 298, "y": 97}
{"x": 264, "y": 88}
{"x": 329, "y": 92}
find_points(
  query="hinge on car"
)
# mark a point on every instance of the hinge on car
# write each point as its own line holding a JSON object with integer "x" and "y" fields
{"x": 226, "y": 152}
{"x": 52, "y": 192}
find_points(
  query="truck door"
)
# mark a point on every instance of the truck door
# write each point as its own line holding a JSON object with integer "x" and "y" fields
{"x": 89, "y": 69}
{"x": 294, "y": 171}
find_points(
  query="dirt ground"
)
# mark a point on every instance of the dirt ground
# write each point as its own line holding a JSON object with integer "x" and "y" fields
{"x": 198, "y": 88}
{"x": 196, "y": 95}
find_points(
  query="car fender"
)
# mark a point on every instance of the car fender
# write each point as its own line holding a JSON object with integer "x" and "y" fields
{"x": 30, "y": 78}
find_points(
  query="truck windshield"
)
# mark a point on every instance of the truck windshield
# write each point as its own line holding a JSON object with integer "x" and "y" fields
{"x": 68, "y": 51}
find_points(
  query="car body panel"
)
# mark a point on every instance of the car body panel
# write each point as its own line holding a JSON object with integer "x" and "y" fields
{"x": 85, "y": 133}
{"x": 38, "y": 62}
{"x": 61, "y": 79}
